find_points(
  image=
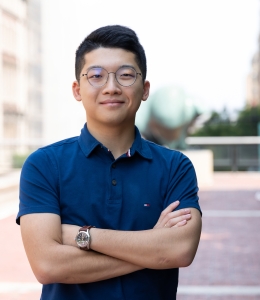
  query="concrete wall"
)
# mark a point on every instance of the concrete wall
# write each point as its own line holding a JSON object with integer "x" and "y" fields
{"x": 203, "y": 163}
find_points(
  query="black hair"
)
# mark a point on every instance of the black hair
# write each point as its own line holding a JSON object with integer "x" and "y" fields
{"x": 113, "y": 36}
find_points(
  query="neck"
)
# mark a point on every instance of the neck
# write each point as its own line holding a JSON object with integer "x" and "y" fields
{"x": 118, "y": 139}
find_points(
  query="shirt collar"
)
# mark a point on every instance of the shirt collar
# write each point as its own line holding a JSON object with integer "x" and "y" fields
{"x": 88, "y": 143}
{"x": 140, "y": 146}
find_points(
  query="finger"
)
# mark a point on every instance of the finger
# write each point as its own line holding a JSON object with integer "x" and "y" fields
{"x": 173, "y": 215}
{"x": 182, "y": 223}
{"x": 168, "y": 209}
{"x": 172, "y": 222}
{"x": 177, "y": 213}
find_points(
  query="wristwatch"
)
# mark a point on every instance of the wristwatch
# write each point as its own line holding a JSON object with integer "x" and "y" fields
{"x": 83, "y": 238}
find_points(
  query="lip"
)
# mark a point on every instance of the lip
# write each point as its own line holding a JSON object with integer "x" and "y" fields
{"x": 112, "y": 102}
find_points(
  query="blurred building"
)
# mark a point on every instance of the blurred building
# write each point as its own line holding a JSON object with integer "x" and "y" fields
{"x": 20, "y": 76}
{"x": 253, "y": 80}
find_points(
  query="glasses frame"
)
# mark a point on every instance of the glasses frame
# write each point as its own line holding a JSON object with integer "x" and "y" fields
{"x": 98, "y": 86}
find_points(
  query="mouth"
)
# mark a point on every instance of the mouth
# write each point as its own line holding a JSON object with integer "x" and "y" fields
{"x": 112, "y": 102}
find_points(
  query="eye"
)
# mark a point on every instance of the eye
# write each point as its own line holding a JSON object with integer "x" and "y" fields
{"x": 126, "y": 73}
{"x": 95, "y": 74}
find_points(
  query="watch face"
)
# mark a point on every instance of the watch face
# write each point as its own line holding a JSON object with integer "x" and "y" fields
{"x": 82, "y": 239}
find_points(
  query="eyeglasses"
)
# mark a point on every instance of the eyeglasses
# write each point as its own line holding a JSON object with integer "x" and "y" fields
{"x": 98, "y": 76}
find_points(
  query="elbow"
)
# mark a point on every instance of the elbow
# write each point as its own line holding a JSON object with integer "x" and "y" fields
{"x": 186, "y": 260}
{"x": 44, "y": 274}
{"x": 42, "y": 279}
{"x": 187, "y": 252}
{"x": 186, "y": 256}
{"x": 180, "y": 259}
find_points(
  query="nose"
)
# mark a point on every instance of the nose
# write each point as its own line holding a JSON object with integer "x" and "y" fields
{"x": 113, "y": 77}
{"x": 112, "y": 86}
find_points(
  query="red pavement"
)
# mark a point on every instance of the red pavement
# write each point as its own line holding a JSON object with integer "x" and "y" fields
{"x": 13, "y": 260}
{"x": 228, "y": 297}
{"x": 14, "y": 265}
{"x": 20, "y": 296}
{"x": 228, "y": 253}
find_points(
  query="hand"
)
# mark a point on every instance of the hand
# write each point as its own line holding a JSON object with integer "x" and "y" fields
{"x": 69, "y": 232}
{"x": 170, "y": 218}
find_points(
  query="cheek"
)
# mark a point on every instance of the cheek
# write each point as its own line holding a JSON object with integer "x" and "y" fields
{"x": 137, "y": 96}
{"x": 141, "y": 92}
{"x": 87, "y": 102}
{"x": 89, "y": 97}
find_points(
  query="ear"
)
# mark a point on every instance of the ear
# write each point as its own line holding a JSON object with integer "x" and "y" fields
{"x": 76, "y": 90}
{"x": 146, "y": 90}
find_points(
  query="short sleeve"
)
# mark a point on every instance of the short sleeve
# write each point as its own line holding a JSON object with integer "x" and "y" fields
{"x": 39, "y": 185}
{"x": 182, "y": 184}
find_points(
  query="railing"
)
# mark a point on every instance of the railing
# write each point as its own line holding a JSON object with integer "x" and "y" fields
{"x": 230, "y": 153}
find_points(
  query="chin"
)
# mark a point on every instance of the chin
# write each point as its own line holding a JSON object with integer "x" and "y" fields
{"x": 117, "y": 122}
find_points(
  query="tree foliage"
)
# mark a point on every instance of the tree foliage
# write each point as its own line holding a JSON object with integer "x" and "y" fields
{"x": 221, "y": 124}
{"x": 247, "y": 121}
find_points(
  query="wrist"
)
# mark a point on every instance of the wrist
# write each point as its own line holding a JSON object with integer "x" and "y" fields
{"x": 83, "y": 237}
{"x": 68, "y": 234}
{"x": 93, "y": 233}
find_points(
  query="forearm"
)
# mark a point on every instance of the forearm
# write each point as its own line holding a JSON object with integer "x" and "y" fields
{"x": 156, "y": 248}
{"x": 159, "y": 248}
{"x": 70, "y": 265}
{"x": 150, "y": 248}
{"x": 52, "y": 261}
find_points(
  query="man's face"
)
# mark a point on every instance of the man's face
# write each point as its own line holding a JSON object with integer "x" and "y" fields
{"x": 111, "y": 104}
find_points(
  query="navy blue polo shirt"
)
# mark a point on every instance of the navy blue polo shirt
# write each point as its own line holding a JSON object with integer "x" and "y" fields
{"x": 79, "y": 179}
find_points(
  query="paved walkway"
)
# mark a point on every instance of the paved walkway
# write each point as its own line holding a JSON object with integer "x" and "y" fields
{"x": 227, "y": 264}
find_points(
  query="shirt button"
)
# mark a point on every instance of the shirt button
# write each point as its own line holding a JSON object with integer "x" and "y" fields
{"x": 114, "y": 166}
{"x": 114, "y": 182}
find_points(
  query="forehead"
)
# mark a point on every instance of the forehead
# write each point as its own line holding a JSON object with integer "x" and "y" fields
{"x": 109, "y": 58}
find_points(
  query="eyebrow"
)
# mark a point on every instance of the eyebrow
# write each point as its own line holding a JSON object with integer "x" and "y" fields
{"x": 95, "y": 66}
{"x": 98, "y": 66}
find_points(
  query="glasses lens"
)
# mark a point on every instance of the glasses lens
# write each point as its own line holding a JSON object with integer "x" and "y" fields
{"x": 97, "y": 76}
{"x": 126, "y": 76}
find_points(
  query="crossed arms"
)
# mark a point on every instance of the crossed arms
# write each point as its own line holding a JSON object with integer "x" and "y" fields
{"x": 54, "y": 257}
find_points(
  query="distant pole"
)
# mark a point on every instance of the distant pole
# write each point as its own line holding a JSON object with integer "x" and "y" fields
{"x": 234, "y": 166}
{"x": 258, "y": 133}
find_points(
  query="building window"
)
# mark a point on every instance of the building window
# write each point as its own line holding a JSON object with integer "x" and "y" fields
{"x": 9, "y": 23}
{"x": 9, "y": 79}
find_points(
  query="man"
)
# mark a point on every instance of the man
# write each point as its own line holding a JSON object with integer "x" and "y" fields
{"x": 110, "y": 178}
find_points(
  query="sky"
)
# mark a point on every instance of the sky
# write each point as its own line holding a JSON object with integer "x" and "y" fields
{"x": 203, "y": 46}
